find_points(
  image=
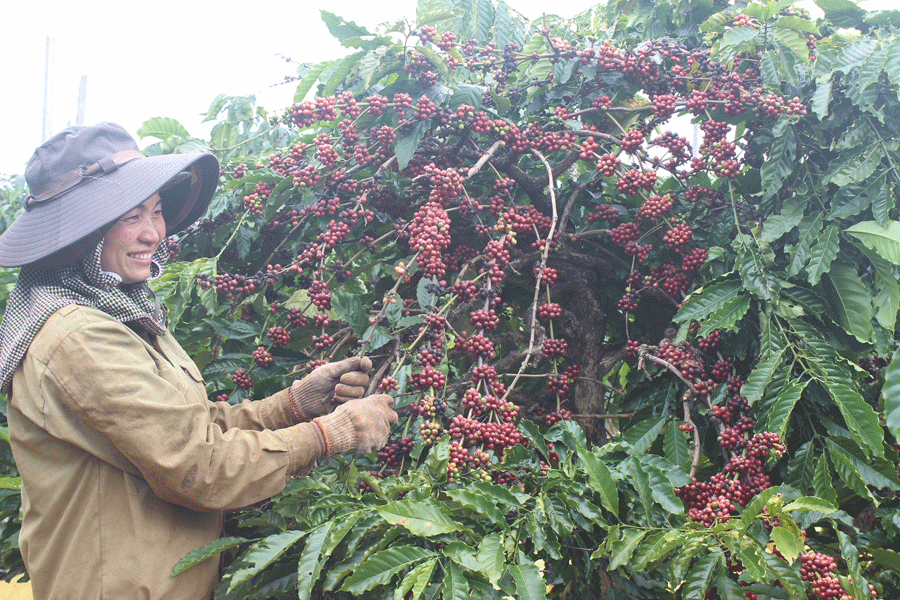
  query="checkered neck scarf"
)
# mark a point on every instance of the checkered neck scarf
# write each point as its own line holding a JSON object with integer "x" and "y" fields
{"x": 40, "y": 292}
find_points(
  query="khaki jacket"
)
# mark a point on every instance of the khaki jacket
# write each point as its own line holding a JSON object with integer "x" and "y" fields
{"x": 127, "y": 466}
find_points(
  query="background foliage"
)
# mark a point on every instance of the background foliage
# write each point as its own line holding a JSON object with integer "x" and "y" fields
{"x": 632, "y": 279}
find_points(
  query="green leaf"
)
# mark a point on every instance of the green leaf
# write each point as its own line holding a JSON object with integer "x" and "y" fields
{"x": 480, "y": 504}
{"x": 463, "y": 555}
{"x": 788, "y": 540}
{"x": 262, "y": 554}
{"x": 892, "y": 63}
{"x": 456, "y": 587}
{"x": 821, "y": 98}
{"x": 415, "y": 581}
{"x": 877, "y": 472}
{"x": 814, "y": 503}
{"x": 497, "y": 493}
{"x": 890, "y": 393}
{"x": 871, "y": 68}
{"x": 734, "y": 41}
{"x": 858, "y": 586}
{"x": 823, "y": 481}
{"x": 622, "y": 550}
{"x": 707, "y": 300}
{"x": 861, "y": 418}
{"x": 530, "y": 585}
{"x": 341, "y": 28}
{"x": 780, "y": 163}
{"x": 309, "y": 80}
{"x": 727, "y": 587}
{"x": 852, "y": 199}
{"x": 887, "y": 296}
{"x": 406, "y": 146}
{"x": 338, "y": 71}
{"x": 757, "y": 278}
{"x": 195, "y": 557}
{"x": 642, "y": 435}
{"x": 789, "y": 218}
{"x": 309, "y": 567}
{"x": 797, "y": 24}
{"x": 379, "y": 568}
{"x": 701, "y": 576}
{"x": 162, "y": 128}
{"x": 424, "y": 518}
{"x": 11, "y": 483}
{"x": 787, "y": 576}
{"x": 657, "y": 547}
{"x": 675, "y": 446}
{"x": 810, "y": 227}
{"x": 760, "y": 377}
{"x": 600, "y": 480}
{"x": 727, "y": 317}
{"x": 823, "y": 254}
{"x": 846, "y": 468}
{"x": 491, "y": 557}
{"x": 779, "y": 413}
{"x": 802, "y": 466}
{"x": 469, "y": 94}
{"x": 756, "y": 505}
{"x": 661, "y": 487}
{"x": 640, "y": 479}
{"x": 850, "y": 300}
{"x": 886, "y": 558}
{"x": 885, "y": 240}
{"x": 793, "y": 40}
{"x": 855, "y": 54}
{"x": 860, "y": 166}
{"x": 348, "y": 307}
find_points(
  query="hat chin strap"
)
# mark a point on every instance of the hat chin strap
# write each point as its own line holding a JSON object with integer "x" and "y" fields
{"x": 67, "y": 181}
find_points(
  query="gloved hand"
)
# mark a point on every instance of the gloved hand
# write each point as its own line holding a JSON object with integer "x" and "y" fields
{"x": 359, "y": 426}
{"x": 317, "y": 393}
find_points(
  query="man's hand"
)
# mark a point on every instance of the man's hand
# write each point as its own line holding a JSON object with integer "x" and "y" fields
{"x": 359, "y": 426}
{"x": 329, "y": 385}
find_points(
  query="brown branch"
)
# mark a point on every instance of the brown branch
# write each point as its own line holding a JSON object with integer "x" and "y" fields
{"x": 484, "y": 159}
{"x": 609, "y": 416}
{"x": 686, "y": 402}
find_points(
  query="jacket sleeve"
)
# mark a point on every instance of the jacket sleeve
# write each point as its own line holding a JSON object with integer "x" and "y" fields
{"x": 103, "y": 374}
{"x": 273, "y": 412}
{"x": 269, "y": 413}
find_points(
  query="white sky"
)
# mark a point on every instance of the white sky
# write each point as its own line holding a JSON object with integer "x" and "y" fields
{"x": 172, "y": 58}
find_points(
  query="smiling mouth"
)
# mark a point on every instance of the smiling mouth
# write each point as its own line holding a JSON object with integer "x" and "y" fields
{"x": 145, "y": 256}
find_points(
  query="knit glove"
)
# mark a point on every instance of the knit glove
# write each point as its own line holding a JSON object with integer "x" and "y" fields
{"x": 332, "y": 383}
{"x": 360, "y": 426}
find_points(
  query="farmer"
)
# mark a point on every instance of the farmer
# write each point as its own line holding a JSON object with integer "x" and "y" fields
{"x": 126, "y": 465}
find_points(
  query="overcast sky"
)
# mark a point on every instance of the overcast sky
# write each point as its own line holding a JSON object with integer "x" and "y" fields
{"x": 171, "y": 58}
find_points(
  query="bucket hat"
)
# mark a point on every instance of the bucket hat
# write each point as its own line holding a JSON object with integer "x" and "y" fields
{"x": 84, "y": 178}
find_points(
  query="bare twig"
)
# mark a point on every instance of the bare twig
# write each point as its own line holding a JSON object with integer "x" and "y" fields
{"x": 607, "y": 416}
{"x": 484, "y": 159}
{"x": 537, "y": 284}
{"x": 686, "y": 402}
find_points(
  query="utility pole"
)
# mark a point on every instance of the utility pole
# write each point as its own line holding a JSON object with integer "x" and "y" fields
{"x": 82, "y": 98}
{"x": 48, "y": 89}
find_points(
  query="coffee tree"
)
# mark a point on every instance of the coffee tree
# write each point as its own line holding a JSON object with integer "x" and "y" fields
{"x": 631, "y": 278}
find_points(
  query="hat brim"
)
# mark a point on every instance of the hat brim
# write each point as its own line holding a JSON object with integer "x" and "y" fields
{"x": 50, "y": 230}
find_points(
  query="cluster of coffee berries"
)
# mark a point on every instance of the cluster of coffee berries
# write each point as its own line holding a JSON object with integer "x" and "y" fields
{"x": 429, "y": 235}
{"x": 428, "y": 378}
{"x": 279, "y": 335}
{"x": 263, "y": 357}
{"x": 242, "y": 379}
{"x": 554, "y": 348}
{"x": 395, "y": 452}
